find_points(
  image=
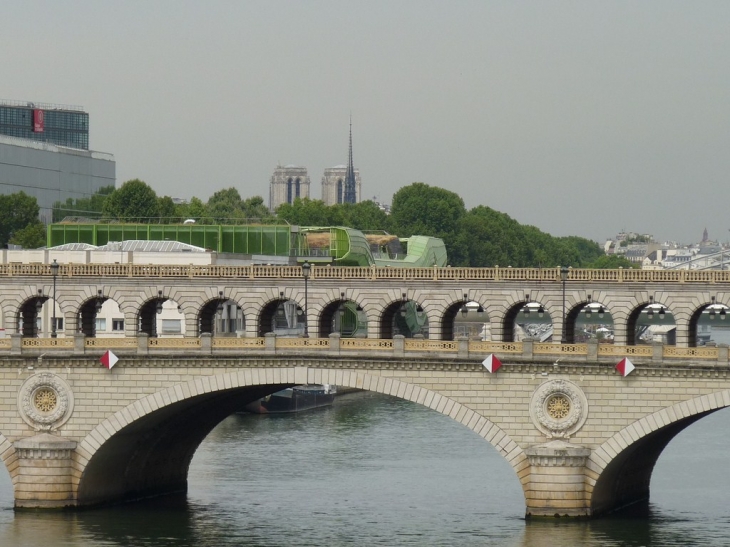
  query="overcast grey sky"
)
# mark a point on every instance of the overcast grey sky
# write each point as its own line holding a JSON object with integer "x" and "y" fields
{"x": 581, "y": 118}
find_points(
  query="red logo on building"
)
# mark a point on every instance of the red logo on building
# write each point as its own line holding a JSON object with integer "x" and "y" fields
{"x": 38, "y": 120}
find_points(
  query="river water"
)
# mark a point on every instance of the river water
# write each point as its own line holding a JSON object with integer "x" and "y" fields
{"x": 375, "y": 470}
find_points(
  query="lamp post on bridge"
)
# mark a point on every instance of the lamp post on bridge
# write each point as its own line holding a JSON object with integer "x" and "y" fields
{"x": 306, "y": 269}
{"x": 54, "y": 273}
{"x": 563, "y": 277}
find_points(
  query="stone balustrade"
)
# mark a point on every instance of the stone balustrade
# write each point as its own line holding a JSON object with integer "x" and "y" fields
{"x": 517, "y": 352}
{"x": 436, "y": 273}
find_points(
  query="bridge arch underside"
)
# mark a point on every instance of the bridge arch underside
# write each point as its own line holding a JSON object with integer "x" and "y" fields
{"x": 152, "y": 455}
{"x": 626, "y": 479}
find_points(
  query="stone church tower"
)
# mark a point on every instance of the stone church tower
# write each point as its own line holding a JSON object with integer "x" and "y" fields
{"x": 287, "y": 184}
{"x": 342, "y": 183}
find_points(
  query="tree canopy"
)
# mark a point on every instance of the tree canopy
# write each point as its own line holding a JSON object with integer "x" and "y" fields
{"x": 17, "y": 211}
{"x": 134, "y": 201}
{"x": 226, "y": 206}
{"x": 420, "y": 209}
{"x": 365, "y": 216}
{"x": 31, "y": 236}
{"x": 611, "y": 262}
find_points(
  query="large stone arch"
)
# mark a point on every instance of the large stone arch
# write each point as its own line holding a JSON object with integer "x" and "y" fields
{"x": 502, "y": 321}
{"x": 326, "y": 306}
{"x": 619, "y": 471}
{"x": 448, "y": 311}
{"x": 132, "y": 454}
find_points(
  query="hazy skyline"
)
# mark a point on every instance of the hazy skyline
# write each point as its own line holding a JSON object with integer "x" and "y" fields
{"x": 580, "y": 118}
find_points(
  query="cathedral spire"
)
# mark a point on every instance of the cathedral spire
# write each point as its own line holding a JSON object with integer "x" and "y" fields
{"x": 350, "y": 194}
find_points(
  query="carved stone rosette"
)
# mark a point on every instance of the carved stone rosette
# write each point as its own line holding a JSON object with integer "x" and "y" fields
{"x": 558, "y": 408}
{"x": 45, "y": 401}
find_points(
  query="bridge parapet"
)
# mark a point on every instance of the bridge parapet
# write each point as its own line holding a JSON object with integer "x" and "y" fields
{"x": 516, "y": 352}
{"x": 151, "y": 271}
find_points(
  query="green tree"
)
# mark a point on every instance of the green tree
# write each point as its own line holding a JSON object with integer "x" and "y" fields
{"x": 611, "y": 262}
{"x": 195, "y": 210}
{"x": 134, "y": 201}
{"x": 307, "y": 212}
{"x": 365, "y": 216}
{"x": 166, "y": 210}
{"x": 17, "y": 211}
{"x": 420, "y": 209}
{"x": 588, "y": 250}
{"x": 426, "y": 210}
{"x": 492, "y": 238}
{"x": 255, "y": 209}
{"x": 225, "y": 205}
{"x": 31, "y": 236}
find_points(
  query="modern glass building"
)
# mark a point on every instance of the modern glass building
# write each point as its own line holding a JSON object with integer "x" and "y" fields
{"x": 55, "y": 124}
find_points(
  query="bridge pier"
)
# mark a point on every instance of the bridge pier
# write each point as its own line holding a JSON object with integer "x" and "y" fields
{"x": 557, "y": 485}
{"x": 44, "y": 477}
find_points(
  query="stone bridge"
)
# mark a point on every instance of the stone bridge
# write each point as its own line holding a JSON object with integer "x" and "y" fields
{"x": 625, "y": 297}
{"x": 581, "y": 439}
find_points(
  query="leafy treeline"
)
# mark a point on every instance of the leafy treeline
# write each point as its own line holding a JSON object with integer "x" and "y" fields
{"x": 136, "y": 201}
{"x": 19, "y": 222}
{"x": 479, "y": 237}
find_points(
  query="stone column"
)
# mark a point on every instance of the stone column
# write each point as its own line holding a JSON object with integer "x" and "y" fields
{"x": 463, "y": 346}
{"x": 270, "y": 342}
{"x": 250, "y": 327}
{"x": 399, "y": 345}
{"x": 16, "y": 344}
{"x": 191, "y": 323}
{"x": 44, "y": 478}
{"x": 619, "y": 332}
{"x": 79, "y": 343}
{"x": 722, "y": 353}
{"x": 592, "y": 349}
{"x": 557, "y": 480}
{"x": 143, "y": 343}
{"x": 657, "y": 351}
{"x": 335, "y": 343}
{"x": 682, "y": 333}
{"x": 70, "y": 323}
{"x": 206, "y": 343}
{"x": 527, "y": 348}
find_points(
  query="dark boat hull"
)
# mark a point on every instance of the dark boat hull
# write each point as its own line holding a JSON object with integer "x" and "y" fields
{"x": 295, "y": 399}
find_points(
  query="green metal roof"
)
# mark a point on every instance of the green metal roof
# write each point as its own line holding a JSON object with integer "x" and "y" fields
{"x": 347, "y": 246}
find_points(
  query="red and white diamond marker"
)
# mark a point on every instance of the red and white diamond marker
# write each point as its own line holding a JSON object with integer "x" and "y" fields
{"x": 625, "y": 367}
{"x": 109, "y": 359}
{"x": 491, "y": 363}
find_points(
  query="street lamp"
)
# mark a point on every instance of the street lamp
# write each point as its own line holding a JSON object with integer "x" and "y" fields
{"x": 306, "y": 269}
{"x": 54, "y": 273}
{"x": 563, "y": 277}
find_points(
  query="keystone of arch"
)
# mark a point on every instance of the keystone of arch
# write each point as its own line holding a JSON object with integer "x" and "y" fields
{"x": 484, "y": 427}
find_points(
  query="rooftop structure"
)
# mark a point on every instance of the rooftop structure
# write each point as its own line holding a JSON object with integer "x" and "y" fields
{"x": 57, "y": 124}
{"x": 263, "y": 244}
